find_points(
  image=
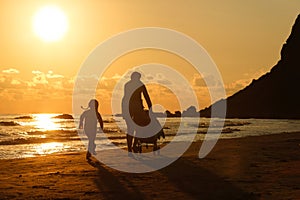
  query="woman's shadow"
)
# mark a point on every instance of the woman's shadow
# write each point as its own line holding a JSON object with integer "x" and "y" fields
{"x": 183, "y": 178}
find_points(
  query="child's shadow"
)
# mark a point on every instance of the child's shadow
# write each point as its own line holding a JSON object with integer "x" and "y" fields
{"x": 94, "y": 163}
{"x": 109, "y": 181}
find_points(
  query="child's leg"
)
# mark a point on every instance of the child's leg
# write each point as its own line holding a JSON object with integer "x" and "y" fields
{"x": 91, "y": 144}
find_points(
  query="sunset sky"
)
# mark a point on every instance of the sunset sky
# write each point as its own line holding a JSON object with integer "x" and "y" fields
{"x": 37, "y": 74}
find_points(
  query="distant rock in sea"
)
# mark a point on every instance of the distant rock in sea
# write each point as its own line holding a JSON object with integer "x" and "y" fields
{"x": 64, "y": 116}
{"x": 190, "y": 112}
{"x": 9, "y": 123}
{"x": 169, "y": 114}
{"x": 23, "y": 117}
{"x": 275, "y": 94}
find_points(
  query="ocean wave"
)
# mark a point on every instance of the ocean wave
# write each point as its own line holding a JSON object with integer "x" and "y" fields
{"x": 111, "y": 130}
{"x": 25, "y": 141}
{"x": 230, "y": 130}
{"x": 110, "y": 121}
{"x": 54, "y": 133}
{"x": 3, "y": 134}
{"x": 224, "y": 131}
{"x": 118, "y": 143}
{"x": 236, "y": 123}
{"x": 35, "y": 140}
{"x": 9, "y": 123}
{"x": 116, "y": 137}
{"x": 217, "y": 124}
{"x": 202, "y": 125}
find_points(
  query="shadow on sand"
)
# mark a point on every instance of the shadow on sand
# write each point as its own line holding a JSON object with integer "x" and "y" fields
{"x": 181, "y": 180}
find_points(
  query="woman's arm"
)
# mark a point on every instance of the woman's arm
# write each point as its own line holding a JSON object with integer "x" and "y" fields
{"x": 100, "y": 120}
{"x": 146, "y": 96}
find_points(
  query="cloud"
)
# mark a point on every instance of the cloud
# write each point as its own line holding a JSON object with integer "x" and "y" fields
{"x": 36, "y": 72}
{"x": 207, "y": 80}
{"x": 39, "y": 78}
{"x": 15, "y": 82}
{"x": 158, "y": 78}
{"x": 10, "y": 71}
{"x": 50, "y": 74}
{"x": 109, "y": 82}
{"x": 41, "y": 85}
{"x": 43, "y": 78}
{"x": 8, "y": 82}
{"x": 198, "y": 81}
{"x": 2, "y": 79}
{"x": 237, "y": 85}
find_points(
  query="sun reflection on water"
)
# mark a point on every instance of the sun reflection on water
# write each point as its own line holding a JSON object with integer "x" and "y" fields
{"x": 49, "y": 148}
{"x": 45, "y": 122}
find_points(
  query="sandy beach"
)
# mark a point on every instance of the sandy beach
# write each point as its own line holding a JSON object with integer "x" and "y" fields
{"x": 264, "y": 167}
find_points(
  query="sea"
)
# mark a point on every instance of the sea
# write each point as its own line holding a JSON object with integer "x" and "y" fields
{"x": 31, "y": 135}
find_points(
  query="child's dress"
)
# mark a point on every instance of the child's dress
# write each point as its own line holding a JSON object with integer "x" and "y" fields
{"x": 90, "y": 119}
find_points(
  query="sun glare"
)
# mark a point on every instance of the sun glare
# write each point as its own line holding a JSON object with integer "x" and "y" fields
{"x": 49, "y": 148}
{"x": 50, "y": 23}
{"x": 45, "y": 122}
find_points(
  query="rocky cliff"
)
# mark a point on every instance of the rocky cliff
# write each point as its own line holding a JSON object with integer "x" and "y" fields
{"x": 275, "y": 94}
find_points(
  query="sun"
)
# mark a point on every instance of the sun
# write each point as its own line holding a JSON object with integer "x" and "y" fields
{"x": 50, "y": 23}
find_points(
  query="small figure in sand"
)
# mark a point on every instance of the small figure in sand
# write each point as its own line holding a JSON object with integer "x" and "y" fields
{"x": 88, "y": 121}
{"x": 132, "y": 106}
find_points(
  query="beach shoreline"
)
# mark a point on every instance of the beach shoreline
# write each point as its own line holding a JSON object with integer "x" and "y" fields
{"x": 258, "y": 167}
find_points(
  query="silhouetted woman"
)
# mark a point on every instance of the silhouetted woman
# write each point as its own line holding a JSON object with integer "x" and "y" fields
{"x": 88, "y": 121}
{"x": 132, "y": 105}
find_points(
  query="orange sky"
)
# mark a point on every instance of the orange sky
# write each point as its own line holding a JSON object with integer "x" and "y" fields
{"x": 244, "y": 39}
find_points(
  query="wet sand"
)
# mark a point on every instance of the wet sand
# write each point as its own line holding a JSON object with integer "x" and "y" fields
{"x": 264, "y": 167}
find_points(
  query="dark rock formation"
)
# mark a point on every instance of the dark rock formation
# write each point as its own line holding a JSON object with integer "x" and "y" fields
{"x": 275, "y": 94}
{"x": 190, "y": 112}
{"x": 23, "y": 117}
{"x": 169, "y": 114}
{"x": 9, "y": 123}
{"x": 64, "y": 116}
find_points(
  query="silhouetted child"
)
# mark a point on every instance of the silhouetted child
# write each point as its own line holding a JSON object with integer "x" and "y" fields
{"x": 88, "y": 121}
